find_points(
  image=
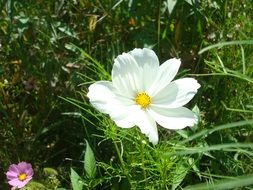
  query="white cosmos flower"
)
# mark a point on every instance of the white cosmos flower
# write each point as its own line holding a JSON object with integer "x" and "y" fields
{"x": 142, "y": 93}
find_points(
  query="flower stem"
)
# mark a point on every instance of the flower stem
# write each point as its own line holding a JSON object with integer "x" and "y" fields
{"x": 119, "y": 155}
{"x": 143, "y": 157}
{"x": 121, "y": 160}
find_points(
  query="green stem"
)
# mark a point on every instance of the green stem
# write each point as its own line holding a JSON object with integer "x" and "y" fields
{"x": 119, "y": 155}
{"x": 143, "y": 157}
{"x": 121, "y": 160}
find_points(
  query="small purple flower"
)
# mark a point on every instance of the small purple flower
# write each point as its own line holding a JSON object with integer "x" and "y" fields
{"x": 19, "y": 174}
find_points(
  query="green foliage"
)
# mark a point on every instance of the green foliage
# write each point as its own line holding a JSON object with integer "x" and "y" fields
{"x": 75, "y": 180}
{"x": 33, "y": 186}
{"x": 232, "y": 183}
{"x": 89, "y": 162}
{"x": 51, "y": 178}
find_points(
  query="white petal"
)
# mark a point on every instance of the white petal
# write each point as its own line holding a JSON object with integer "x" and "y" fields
{"x": 130, "y": 116}
{"x": 103, "y": 97}
{"x": 99, "y": 95}
{"x": 167, "y": 72}
{"x": 149, "y": 64}
{"x": 147, "y": 125}
{"x": 176, "y": 118}
{"x": 126, "y": 75}
{"x": 123, "y": 116}
{"x": 176, "y": 94}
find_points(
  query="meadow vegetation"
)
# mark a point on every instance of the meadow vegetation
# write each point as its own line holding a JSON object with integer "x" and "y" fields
{"x": 51, "y": 51}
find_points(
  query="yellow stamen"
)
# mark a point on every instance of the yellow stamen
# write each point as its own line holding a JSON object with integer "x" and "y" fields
{"x": 22, "y": 176}
{"x": 143, "y": 99}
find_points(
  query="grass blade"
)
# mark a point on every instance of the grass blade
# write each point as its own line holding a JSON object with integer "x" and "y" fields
{"x": 221, "y": 44}
{"x": 236, "y": 182}
{"x": 218, "y": 128}
{"x": 232, "y": 147}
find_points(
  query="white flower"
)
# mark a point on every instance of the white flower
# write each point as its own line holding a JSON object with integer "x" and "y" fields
{"x": 141, "y": 93}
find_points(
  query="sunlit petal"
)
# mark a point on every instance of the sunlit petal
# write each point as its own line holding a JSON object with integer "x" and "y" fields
{"x": 147, "y": 125}
{"x": 176, "y": 118}
{"x": 148, "y": 63}
{"x": 100, "y": 93}
{"x": 123, "y": 116}
{"x": 176, "y": 94}
{"x": 167, "y": 72}
{"x": 126, "y": 75}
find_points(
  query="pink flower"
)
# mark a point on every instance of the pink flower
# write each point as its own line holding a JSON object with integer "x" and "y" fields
{"x": 19, "y": 174}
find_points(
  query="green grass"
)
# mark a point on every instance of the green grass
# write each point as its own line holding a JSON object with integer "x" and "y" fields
{"x": 51, "y": 51}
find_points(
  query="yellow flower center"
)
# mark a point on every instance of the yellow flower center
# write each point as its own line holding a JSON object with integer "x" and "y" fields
{"x": 143, "y": 99}
{"x": 22, "y": 176}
